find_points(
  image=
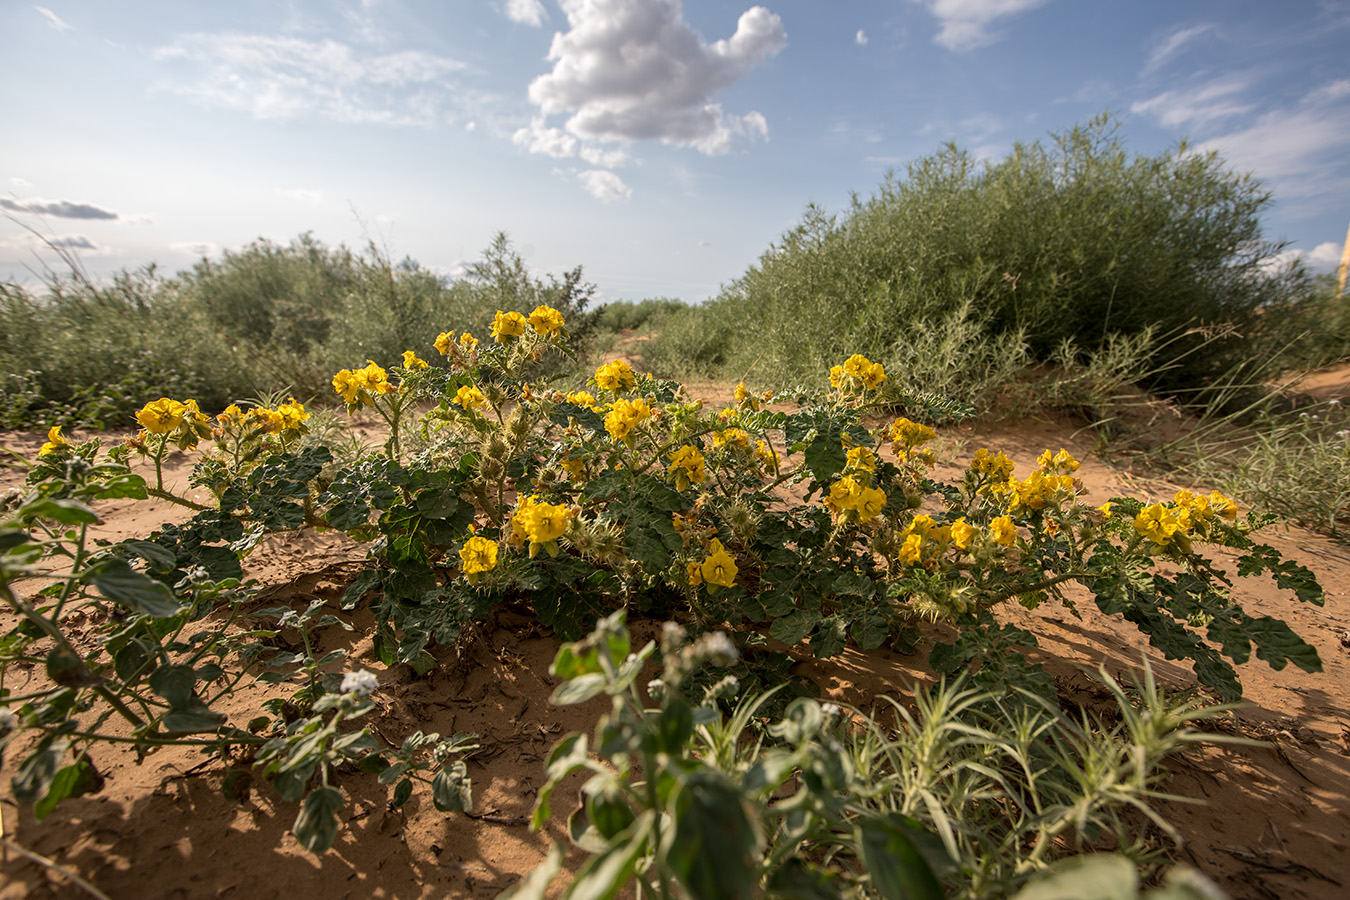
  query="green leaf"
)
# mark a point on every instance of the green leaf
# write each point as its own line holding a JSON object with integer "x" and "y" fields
{"x": 68, "y": 670}
{"x": 66, "y": 512}
{"x": 1095, "y": 876}
{"x": 578, "y": 690}
{"x": 316, "y": 826}
{"x": 402, "y": 793}
{"x": 140, "y": 593}
{"x": 603, "y": 875}
{"x": 790, "y": 629}
{"x": 451, "y": 789}
{"x": 713, "y": 848}
{"x": 74, "y": 780}
{"x": 829, "y": 639}
{"x": 35, "y": 773}
{"x": 197, "y": 718}
{"x": 896, "y": 867}
{"x": 175, "y": 684}
{"x": 799, "y": 880}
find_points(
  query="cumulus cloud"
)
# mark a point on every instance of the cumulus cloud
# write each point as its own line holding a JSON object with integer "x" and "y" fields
{"x": 633, "y": 70}
{"x": 1325, "y": 257}
{"x": 54, "y": 20}
{"x": 61, "y": 209}
{"x": 285, "y": 77}
{"x": 526, "y": 12}
{"x": 604, "y": 186}
{"x": 965, "y": 24}
{"x": 861, "y": 38}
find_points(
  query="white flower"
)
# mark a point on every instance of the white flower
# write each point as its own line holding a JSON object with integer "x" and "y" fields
{"x": 360, "y": 682}
{"x": 720, "y": 648}
{"x": 290, "y": 620}
{"x": 829, "y": 709}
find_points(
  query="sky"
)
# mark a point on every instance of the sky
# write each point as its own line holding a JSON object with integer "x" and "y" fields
{"x": 663, "y": 146}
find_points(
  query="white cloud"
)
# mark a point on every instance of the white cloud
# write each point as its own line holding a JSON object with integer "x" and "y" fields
{"x": 526, "y": 12}
{"x": 284, "y": 77}
{"x": 20, "y": 182}
{"x": 1197, "y": 106}
{"x": 631, "y": 70}
{"x": 965, "y": 23}
{"x": 301, "y": 194}
{"x": 1170, "y": 45}
{"x": 538, "y": 137}
{"x": 61, "y": 209}
{"x": 861, "y": 38}
{"x": 607, "y": 159}
{"x": 1325, "y": 257}
{"x": 196, "y": 248}
{"x": 605, "y": 186}
{"x": 54, "y": 20}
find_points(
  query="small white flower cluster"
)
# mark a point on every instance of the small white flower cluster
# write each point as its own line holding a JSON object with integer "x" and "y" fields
{"x": 290, "y": 619}
{"x": 360, "y": 682}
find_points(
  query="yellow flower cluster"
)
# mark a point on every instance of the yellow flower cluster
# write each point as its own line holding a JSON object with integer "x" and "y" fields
{"x": 858, "y": 372}
{"x": 907, "y": 437}
{"x": 446, "y": 344}
{"x": 478, "y": 555}
{"x": 1038, "y": 490}
{"x": 1189, "y": 513}
{"x": 735, "y": 438}
{"x": 470, "y": 397}
{"x": 862, "y": 458}
{"x": 359, "y": 387}
{"x": 507, "y": 325}
{"x": 584, "y": 398}
{"x": 853, "y": 501}
{"x": 923, "y": 541}
{"x": 412, "y": 362}
{"x": 539, "y": 524}
{"x": 624, "y": 416}
{"x": 615, "y": 376}
{"x": 687, "y": 465}
{"x": 995, "y": 467}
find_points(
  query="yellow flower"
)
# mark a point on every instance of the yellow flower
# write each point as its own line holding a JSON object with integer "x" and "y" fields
{"x": 230, "y": 414}
{"x": 740, "y": 393}
{"x": 293, "y": 415}
{"x": 908, "y": 435}
{"x": 546, "y": 320}
{"x": 1160, "y": 524}
{"x": 862, "y": 458}
{"x": 963, "y": 533}
{"x": 1105, "y": 509}
{"x": 410, "y": 361}
{"x": 870, "y": 503}
{"x": 161, "y": 416}
{"x": 624, "y": 416}
{"x": 719, "y": 568}
{"x": 766, "y": 455}
{"x": 911, "y": 551}
{"x": 468, "y": 341}
{"x": 575, "y": 468}
{"x": 374, "y": 379}
{"x": 614, "y": 376}
{"x": 55, "y": 441}
{"x": 270, "y": 419}
{"x": 837, "y": 376}
{"x": 996, "y": 466}
{"x": 583, "y": 398}
{"x": 856, "y": 365}
{"x": 507, "y": 325}
{"x": 478, "y": 555}
{"x": 689, "y": 463}
{"x": 848, "y": 495}
{"x": 694, "y": 570}
{"x": 470, "y": 397}
{"x": 735, "y": 437}
{"x": 541, "y": 524}
{"x": 1003, "y": 530}
{"x": 443, "y": 342}
{"x": 348, "y": 384}
{"x": 873, "y": 376}
{"x": 1062, "y": 460}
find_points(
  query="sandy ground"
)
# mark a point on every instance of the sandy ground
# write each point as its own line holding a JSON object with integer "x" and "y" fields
{"x": 1272, "y": 821}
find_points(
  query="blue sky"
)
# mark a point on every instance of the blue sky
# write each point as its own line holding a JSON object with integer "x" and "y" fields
{"x": 661, "y": 145}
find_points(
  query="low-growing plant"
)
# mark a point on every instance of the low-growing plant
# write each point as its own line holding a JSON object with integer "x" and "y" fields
{"x": 162, "y": 645}
{"x": 974, "y": 796}
{"x": 820, "y": 526}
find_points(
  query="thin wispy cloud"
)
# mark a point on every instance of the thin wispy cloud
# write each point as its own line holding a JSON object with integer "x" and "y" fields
{"x": 286, "y": 77}
{"x": 965, "y": 25}
{"x": 526, "y": 12}
{"x": 53, "y": 19}
{"x": 860, "y": 38}
{"x": 1215, "y": 100}
{"x": 1171, "y": 45}
{"x": 61, "y": 209}
{"x": 629, "y": 70}
{"x": 195, "y": 248}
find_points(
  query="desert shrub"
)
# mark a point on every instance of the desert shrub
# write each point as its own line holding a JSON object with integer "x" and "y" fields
{"x": 628, "y": 316}
{"x": 1076, "y": 240}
